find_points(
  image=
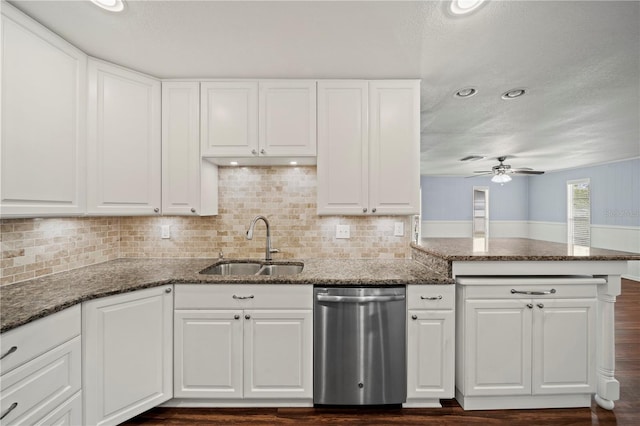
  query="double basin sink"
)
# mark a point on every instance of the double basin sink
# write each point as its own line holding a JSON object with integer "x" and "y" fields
{"x": 253, "y": 268}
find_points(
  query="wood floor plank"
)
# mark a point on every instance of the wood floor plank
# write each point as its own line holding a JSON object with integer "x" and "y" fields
{"x": 626, "y": 412}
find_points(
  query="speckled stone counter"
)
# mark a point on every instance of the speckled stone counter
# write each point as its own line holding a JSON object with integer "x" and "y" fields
{"x": 439, "y": 253}
{"x": 23, "y": 302}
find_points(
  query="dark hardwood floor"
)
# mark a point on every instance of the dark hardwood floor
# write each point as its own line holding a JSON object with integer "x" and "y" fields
{"x": 626, "y": 411}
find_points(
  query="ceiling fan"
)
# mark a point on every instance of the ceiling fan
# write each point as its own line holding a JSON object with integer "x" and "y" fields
{"x": 502, "y": 171}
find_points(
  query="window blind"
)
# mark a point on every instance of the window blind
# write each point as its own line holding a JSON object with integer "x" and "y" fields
{"x": 579, "y": 213}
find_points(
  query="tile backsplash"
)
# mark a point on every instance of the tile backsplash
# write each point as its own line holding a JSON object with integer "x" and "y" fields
{"x": 285, "y": 195}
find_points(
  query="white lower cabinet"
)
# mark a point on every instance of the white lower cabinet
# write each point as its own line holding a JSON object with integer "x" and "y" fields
{"x": 238, "y": 343}
{"x": 430, "y": 344}
{"x": 127, "y": 348}
{"x": 519, "y": 352}
{"x": 41, "y": 371}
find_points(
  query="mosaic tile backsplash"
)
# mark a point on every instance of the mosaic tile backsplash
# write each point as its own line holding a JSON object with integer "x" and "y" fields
{"x": 285, "y": 195}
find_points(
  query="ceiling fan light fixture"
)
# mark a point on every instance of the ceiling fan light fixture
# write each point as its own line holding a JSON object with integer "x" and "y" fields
{"x": 501, "y": 178}
{"x": 467, "y": 92}
{"x": 464, "y": 7}
{"x": 513, "y": 93}
{"x": 110, "y": 5}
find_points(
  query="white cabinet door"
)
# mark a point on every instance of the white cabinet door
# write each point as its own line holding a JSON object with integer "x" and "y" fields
{"x": 497, "y": 352}
{"x": 430, "y": 354}
{"x": 343, "y": 147}
{"x": 127, "y": 348}
{"x": 287, "y": 118}
{"x": 189, "y": 184}
{"x": 229, "y": 118}
{"x": 208, "y": 354}
{"x": 564, "y": 349}
{"x": 124, "y": 143}
{"x": 278, "y": 354}
{"x": 43, "y": 121}
{"x": 394, "y": 147}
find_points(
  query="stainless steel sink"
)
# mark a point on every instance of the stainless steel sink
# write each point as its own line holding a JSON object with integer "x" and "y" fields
{"x": 234, "y": 268}
{"x": 278, "y": 269}
{"x": 253, "y": 268}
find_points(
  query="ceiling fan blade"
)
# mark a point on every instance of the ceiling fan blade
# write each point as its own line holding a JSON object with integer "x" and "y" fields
{"x": 483, "y": 171}
{"x": 527, "y": 172}
{"x": 522, "y": 168}
{"x": 480, "y": 174}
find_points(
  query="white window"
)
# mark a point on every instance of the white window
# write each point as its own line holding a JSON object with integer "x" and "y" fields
{"x": 579, "y": 212}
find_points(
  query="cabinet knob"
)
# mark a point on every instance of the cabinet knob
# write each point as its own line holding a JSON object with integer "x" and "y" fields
{"x": 262, "y": 151}
{"x": 530, "y": 305}
{"x": 254, "y": 152}
{"x": 10, "y": 409}
{"x": 540, "y": 305}
{"x": 157, "y": 210}
{"x": 247, "y": 316}
{"x": 236, "y": 316}
{"x": 364, "y": 210}
{"x": 414, "y": 317}
{"x": 193, "y": 210}
{"x": 11, "y": 350}
{"x": 168, "y": 290}
{"x": 373, "y": 210}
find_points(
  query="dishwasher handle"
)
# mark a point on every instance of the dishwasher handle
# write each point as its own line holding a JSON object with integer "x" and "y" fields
{"x": 325, "y": 297}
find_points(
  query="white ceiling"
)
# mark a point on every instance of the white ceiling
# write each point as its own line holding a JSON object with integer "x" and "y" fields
{"x": 579, "y": 60}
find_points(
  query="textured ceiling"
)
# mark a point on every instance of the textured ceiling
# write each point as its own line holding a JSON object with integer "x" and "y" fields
{"x": 578, "y": 60}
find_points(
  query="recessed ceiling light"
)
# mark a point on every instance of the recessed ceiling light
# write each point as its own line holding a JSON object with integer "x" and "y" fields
{"x": 473, "y": 158}
{"x": 513, "y": 93}
{"x": 110, "y": 5}
{"x": 467, "y": 92}
{"x": 463, "y": 7}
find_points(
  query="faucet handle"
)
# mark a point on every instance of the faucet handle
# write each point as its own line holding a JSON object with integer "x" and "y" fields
{"x": 221, "y": 255}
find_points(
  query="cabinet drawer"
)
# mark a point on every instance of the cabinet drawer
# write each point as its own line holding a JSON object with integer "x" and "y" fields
{"x": 39, "y": 386}
{"x": 431, "y": 296}
{"x": 239, "y": 296}
{"x": 537, "y": 291}
{"x": 33, "y": 339}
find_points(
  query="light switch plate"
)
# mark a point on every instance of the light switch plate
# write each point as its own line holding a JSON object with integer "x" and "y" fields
{"x": 398, "y": 229}
{"x": 343, "y": 231}
{"x": 165, "y": 231}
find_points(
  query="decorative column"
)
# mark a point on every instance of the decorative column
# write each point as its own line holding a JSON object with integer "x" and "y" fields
{"x": 607, "y": 387}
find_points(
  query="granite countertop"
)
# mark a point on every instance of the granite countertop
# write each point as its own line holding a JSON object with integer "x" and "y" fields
{"x": 510, "y": 249}
{"x": 24, "y": 302}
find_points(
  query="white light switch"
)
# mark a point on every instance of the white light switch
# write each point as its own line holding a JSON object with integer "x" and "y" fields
{"x": 166, "y": 231}
{"x": 342, "y": 231}
{"x": 398, "y": 229}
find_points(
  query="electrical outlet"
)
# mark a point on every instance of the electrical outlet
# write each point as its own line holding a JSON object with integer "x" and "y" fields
{"x": 398, "y": 229}
{"x": 342, "y": 231}
{"x": 165, "y": 231}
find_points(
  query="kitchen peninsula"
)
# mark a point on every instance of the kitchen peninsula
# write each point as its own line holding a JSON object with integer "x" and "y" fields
{"x": 534, "y": 320}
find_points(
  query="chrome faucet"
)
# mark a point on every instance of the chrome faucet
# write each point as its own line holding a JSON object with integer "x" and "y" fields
{"x": 268, "y": 250}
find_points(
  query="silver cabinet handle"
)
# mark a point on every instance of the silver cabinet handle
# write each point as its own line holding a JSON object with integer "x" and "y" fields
{"x": 11, "y": 350}
{"x": 540, "y": 305}
{"x": 10, "y": 409}
{"x": 247, "y": 316}
{"x": 243, "y": 297}
{"x": 530, "y": 305}
{"x": 323, "y": 297}
{"x": 262, "y": 151}
{"x": 157, "y": 210}
{"x": 236, "y": 316}
{"x": 168, "y": 290}
{"x": 533, "y": 293}
{"x": 254, "y": 152}
{"x": 439, "y": 297}
{"x": 414, "y": 317}
{"x": 193, "y": 210}
{"x": 373, "y": 210}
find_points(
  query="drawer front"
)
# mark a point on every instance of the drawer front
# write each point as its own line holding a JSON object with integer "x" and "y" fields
{"x": 431, "y": 296}
{"x": 240, "y": 296}
{"x": 37, "y": 387}
{"x": 31, "y": 340}
{"x": 535, "y": 291}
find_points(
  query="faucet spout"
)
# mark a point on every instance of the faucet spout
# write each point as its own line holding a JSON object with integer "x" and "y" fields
{"x": 268, "y": 249}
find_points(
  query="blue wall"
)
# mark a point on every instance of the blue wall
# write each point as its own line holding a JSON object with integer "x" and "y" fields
{"x": 449, "y": 198}
{"x": 615, "y": 195}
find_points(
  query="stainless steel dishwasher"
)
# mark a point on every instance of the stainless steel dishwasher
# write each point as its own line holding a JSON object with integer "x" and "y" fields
{"x": 359, "y": 346}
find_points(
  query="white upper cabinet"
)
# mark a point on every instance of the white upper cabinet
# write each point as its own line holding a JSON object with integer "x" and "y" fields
{"x": 43, "y": 120}
{"x": 189, "y": 184}
{"x": 369, "y": 147}
{"x": 124, "y": 143}
{"x": 266, "y": 122}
